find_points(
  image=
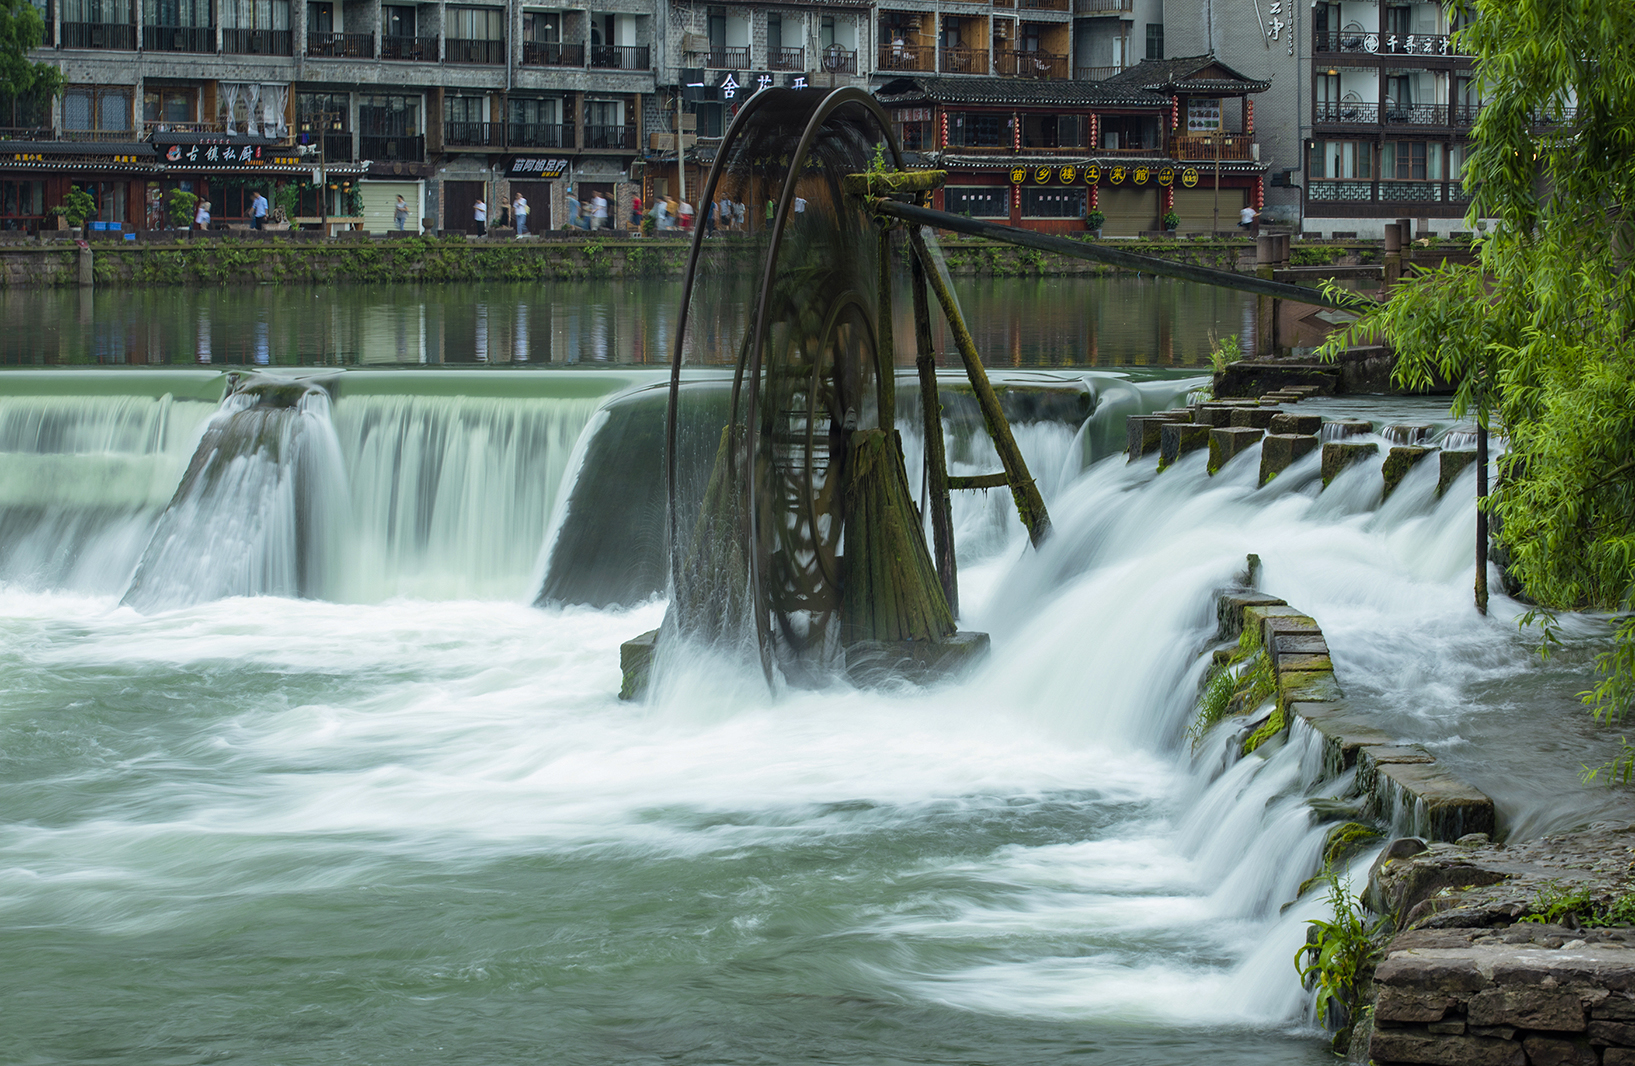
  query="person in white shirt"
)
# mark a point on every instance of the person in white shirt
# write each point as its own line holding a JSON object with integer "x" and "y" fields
{"x": 519, "y": 211}
{"x": 1246, "y": 218}
{"x": 598, "y": 205}
{"x": 479, "y": 215}
{"x": 202, "y": 219}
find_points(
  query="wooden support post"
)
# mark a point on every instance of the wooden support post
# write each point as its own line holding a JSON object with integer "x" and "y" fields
{"x": 885, "y": 354}
{"x": 1481, "y": 509}
{"x": 936, "y": 456}
{"x": 1029, "y": 504}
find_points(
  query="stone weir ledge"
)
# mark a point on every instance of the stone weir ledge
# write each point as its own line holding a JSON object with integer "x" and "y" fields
{"x": 1487, "y": 954}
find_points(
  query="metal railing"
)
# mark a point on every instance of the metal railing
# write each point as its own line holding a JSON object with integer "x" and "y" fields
{"x": 257, "y": 42}
{"x": 540, "y": 135}
{"x": 1224, "y": 146}
{"x": 610, "y": 137}
{"x": 1372, "y": 42}
{"x": 838, "y": 60}
{"x": 474, "y": 134}
{"x": 1464, "y": 114}
{"x": 99, "y": 136}
{"x": 1350, "y": 112}
{"x": 552, "y": 54}
{"x": 1030, "y": 64}
{"x": 27, "y": 133}
{"x": 1102, "y": 7}
{"x": 1415, "y": 115}
{"x": 720, "y": 58}
{"x": 467, "y": 50}
{"x": 400, "y": 148}
{"x": 416, "y": 49}
{"x": 620, "y": 56}
{"x": 115, "y": 36}
{"x": 338, "y": 147}
{"x": 786, "y": 58}
{"x": 341, "y": 45}
{"x": 179, "y": 39}
{"x": 916, "y": 57}
{"x": 963, "y": 60}
{"x": 1385, "y": 191}
{"x": 1046, "y": 5}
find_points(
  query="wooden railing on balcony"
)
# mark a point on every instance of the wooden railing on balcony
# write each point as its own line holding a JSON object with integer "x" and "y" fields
{"x": 786, "y": 59}
{"x": 416, "y": 49}
{"x": 838, "y": 60}
{"x": 1339, "y": 197}
{"x": 257, "y": 42}
{"x": 405, "y": 148}
{"x": 474, "y": 134}
{"x": 610, "y": 137}
{"x": 720, "y": 58}
{"x": 1030, "y": 64}
{"x": 113, "y": 36}
{"x": 341, "y": 45}
{"x": 1225, "y": 146}
{"x": 1045, "y": 5}
{"x": 620, "y": 56}
{"x": 1415, "y": 114}
{"x": 179, "y": 39}
{"x": 27, "y": 133}
{"x": 468, "y": 50}
{"x": 914, "y": 57}
{"x": 99, "y": 136}
{"x": 540, "y": 135}
{"x": 963, "y": 60}
{"x": 552, "y": 54}
{"x": 1102, "y": 7}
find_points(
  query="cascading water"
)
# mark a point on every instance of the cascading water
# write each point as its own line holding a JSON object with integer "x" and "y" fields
{"x": 306, "y": 831}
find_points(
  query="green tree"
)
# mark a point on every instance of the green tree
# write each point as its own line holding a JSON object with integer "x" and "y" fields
{"x": 1541, "y": 331}
{"x": 21, "y": 30}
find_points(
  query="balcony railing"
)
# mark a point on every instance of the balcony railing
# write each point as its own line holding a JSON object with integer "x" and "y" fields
{"x": 338, "y": 147}
{"x": 620, "y": 56}
{"x": 786, "y": 58}
{"x": 341, "y": 45}
{"x": 552, "y": 54}
{"x": 1340, "y": 197}
{"x": 1102, "y": 7}
{"x": 541, "y": 135}
{"x": 415, "y": 49}
{"x": 1415, "y": 114}
{"x": 114, "y": 36}
{"x": 466, "y": 50}
{"x": 838, "y": 60}
{"x": 1095, "y": 73}
{"x": 1371, "y": 42}
{"x": 1349, "y": 112}
{"x": 103, "y": 136}
{"x": 1465, "y": 114}
{"x": 1224, "y": 146}
{"x": 27, "y": 133}
{"x": 474, "y": 134}
{"x": 1030, "y": 64}
{"x": 257, "y": 42}
{"x": 920, "y": 57}
{"x": 1046, "y": 5}
{"x": 720, "y": 58}
{"x": 179, "y": 39}
{"x": 168, "y": 126}
{"x": 610, "y": 137}
{"x": 408, "y": 149}
{"x": 963, "y": 60}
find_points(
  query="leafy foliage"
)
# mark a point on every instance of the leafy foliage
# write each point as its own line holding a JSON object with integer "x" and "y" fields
{"x": 76, "y": 207}
{"x": 1223, "y": 352}
{"x": 1541, "y": 331}
{"x": 1336, "y": 954}
{"x": 180, "y": 206}
{"x": 1576, "y": 905}
{"x": 21, "y": 31}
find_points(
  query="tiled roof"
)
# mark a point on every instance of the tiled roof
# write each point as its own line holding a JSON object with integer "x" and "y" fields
{"x": 1015, "y": 92}
{"x": 1187, "y": 74}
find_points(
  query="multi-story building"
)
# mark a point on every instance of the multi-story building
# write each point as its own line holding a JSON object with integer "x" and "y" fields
{"x": 440, "y": 102}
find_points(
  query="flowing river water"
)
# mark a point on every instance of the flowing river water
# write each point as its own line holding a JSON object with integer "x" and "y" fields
{"x": 294, "y": 773}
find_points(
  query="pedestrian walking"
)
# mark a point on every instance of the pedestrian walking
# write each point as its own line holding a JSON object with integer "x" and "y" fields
{"x": 201, "y": 220}
{"x": 258, "y": 211}
{"x": 479, "y": 216}
{"x": 519, "y": 211}
{"x": 636, "y": 213}
{"x": 598, "y": 205}
{"x": 400, "y": 213}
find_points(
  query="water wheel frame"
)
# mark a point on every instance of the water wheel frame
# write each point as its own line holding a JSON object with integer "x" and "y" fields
{"x": 773, "y": 547}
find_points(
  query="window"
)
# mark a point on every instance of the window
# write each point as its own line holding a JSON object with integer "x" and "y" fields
{"x": 465, "y": 109}
{"x": 774, "y": 33}
{"x": 826, "y": 32}
{"x": 178, "y": 13}
{"x": 1155, "y": 40}
{"x": 717, "y": 26}
{"x": 917, "y": 136}
{"x": 21, "y": 200}
{"x": 1053, "y": 202}
{"x": 1411, "y": 161}
{"x": 604, "y": 112}
{"x": 476, "y": 23}
{"x": 96, "y": 107}
{"x": 711, "y": 122}
{"x": 1397, "y": 21}
{"x": 397, "y": 21}
{"x": 976, "y": 130}
{"x": 320, "y": 18}
{"x": 978, "y": 201}
{"x": 1054, "y": 131}
{"x": 255, "y": 14}
{"x": 535, "y": 112}
{"x": 389, "y": 116}
{"x": 539, "y": 27}
{"x": 168, "y": 105}
{"x": 24, "y": 112}
{"x": 317, "y": 108}
{"x": 1342, "y": 159}
{"x": 115, "y": 11}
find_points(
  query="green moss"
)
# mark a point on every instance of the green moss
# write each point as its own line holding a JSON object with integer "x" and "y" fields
{"x": 1345, "y": 840}
{"x": 1270, "y": 728}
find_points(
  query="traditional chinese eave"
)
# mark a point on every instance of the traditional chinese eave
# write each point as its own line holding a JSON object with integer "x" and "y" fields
{"x": 1202, "y": 75}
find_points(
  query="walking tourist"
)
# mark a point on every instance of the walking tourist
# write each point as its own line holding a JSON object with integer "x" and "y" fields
{"x": 201, "y": 220}
{"x": 479, "y": 216}
{"x": 636, "y": 213}
{"x": 519, "y": 211}
{"x": 598, "y": 204}
{"x": 258, "y": 211}
{"x": 400, "y": 213}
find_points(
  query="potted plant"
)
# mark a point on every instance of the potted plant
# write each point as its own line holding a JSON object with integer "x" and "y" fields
{"x": 1172, "y": 222}
{"x": 75, "y": 208}
{"x": 1095, "y": 220}
{"x": 180, "y": 206}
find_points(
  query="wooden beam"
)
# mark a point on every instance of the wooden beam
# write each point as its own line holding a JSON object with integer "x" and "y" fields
{"x": 1098, "y": 252}
{"x": 936, "y": 456}
{"x": 894, "y": 181}
{"x": 978, "y": 481}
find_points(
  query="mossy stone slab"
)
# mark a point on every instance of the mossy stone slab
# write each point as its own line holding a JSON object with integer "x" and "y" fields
{"x": 636, "y": 663}
{"x": 1313, "y": 686}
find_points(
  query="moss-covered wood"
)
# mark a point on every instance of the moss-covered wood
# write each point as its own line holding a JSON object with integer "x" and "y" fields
{"x": 892, "y": 182}
{"x": 891, "y": 588}
{"x": 712, "y": 586}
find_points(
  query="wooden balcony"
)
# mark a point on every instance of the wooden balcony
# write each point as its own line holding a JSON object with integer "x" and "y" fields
{"x": 786, "y": 59}
{"x": 722, "y": 58}
{"x": 1346, "y": 113}
{"x": 240, "y": 42}
{"x": 1103, "y": 7}
{"x": 474, "y": 134}
{"x": 540, "y": 135}
{"x": 410, "y": 49}
{"x": 474, "y": 52}
{"x": 1045, "y": 5}
{"x": 908, "y": 57}
{"x": 1343, "y": 198}
{"x": 615, "y": 137}
{"x": 341, "y": 45}
{"x": 1225, "y": 146}
{"x": 1014, "y": 64}
{"x": 106, "y": 36}
{"x": 963, "y": 60}
{"x": 838, "y": 60}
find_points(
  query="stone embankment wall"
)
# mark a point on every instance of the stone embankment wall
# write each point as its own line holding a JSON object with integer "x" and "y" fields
{"x": 244, "y": 257}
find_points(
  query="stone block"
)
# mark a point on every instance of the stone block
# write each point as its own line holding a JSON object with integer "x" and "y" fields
{"x": 921, "y": 662}
{"x": 1445, "y": 974}
{"x": 1176, "y": 439}
{"x": 1289, "y": 422}
{"x": 1346, "y": 427}
{"x": 1303, "y": 662}
{"x": 1278, "y": 452}
{"x": 1407, "y": 432}
{"x": 1400, "y": 460}
{"x": 1142, "y": 434}
{"x": 1391, "y": 1045}
{"x": 1407, "y": 1005}
{"x": 1554, "y": 1051}
{"x": 636, "y": 663}
{"x": 1446, "y": 1028}
{"x": 1212, "y": 415}
{"x": 1452, "y": 465}
{"x": 1617, "y": 1007}
{"x": 1617, "y": 1056}
{"x": 1310, "y": 686}
{"x": 1254, "y": 417}
{"x": 1437, "y": 804}
{"x": 1229, "y": 607}
{"x": 1227, "y": 443}
{"x": 1290, "y": 643}
{"x": 1337, "y": 455}
{"x": 1343, "y": 733}
{"x": 1618, "y": 1034}
{"x": 1371, "y": 757}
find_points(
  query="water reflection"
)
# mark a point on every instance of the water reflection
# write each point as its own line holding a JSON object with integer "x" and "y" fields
{"x": 1121, "y": 321}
